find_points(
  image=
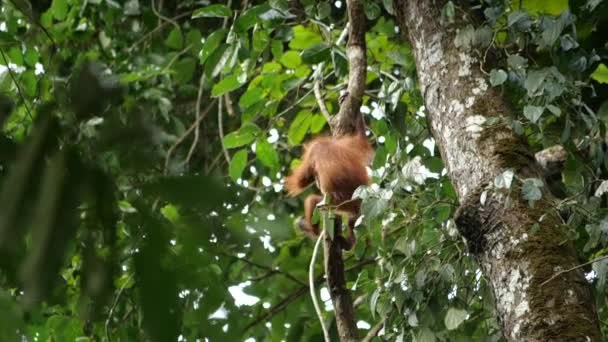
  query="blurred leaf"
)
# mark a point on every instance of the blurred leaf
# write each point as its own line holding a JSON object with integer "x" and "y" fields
{"x": 175, "y": 40}
{"x": 227, "y": 84}
{"x": 212, "y": 11}
{"x": 243, "y": 136}
{"x": 204, "y": 193}
{"x": 600, "y": 74}
{"x": 157, "y": 288}
{"x": 238, "y": 164}
{"x": 212, "y": 42}
{"x": 454, "y": 318}
{"x": 291, "y": 59}
{"x": 267, "y": 154}
{"x": 316, "y": 54}
{"x": 59, "y": 8}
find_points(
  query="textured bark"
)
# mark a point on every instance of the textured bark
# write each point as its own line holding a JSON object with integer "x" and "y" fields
{"x": 516, "y": 262}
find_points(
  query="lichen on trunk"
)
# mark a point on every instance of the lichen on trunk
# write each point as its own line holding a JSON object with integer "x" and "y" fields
{"x": 516, "y": 261}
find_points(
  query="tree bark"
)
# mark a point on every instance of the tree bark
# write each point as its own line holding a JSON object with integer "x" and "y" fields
{"x": 347, "y": 121}
{"x": 516, "y": 261}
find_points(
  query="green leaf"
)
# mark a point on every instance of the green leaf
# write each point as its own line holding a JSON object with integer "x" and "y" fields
{"x": 29, "y": 82}
{"x": 175, "y": 40}
{"x": 187, "y": 191}
{"x": 497, "y": 77}
{"x": 59, "y": 9}
{"x": 531, "y": 189}
{"x": 267, "y": 154}
{"x": 323, "y": 9}
{"x": 534, "y": 80}
{"x": 533, "y": 113}
{"x": 600, "y": 74}
{"x": 251, "y": 96}
{"x": 303, "y": 38}
{"x": 291, "y": 59}
{"x": 317, "y": 53}
{"x": 317, "y": 123}
{"x": 250, "y": 17}
{"x": 371, "y": 9}
{"x": 212, "y": 42}
{"x": 212, "y": 11}
{"x": 554, "y": 109}
{"x": 454, "y": 318}
{"x": 299, "y": 126}
{"x": 245, "y": 135}
{"x": 184, "y": 69}
{"x": 238, "y": 164}
{"x": 225, "y": 85}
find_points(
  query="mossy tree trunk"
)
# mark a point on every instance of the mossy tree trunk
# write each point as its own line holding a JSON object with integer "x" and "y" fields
{"x": 515, "y": 260}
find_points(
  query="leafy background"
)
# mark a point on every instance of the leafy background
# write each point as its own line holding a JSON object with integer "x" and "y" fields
{"x": 144, "y": 143}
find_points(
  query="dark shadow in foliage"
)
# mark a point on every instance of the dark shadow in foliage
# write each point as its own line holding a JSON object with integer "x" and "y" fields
{"x": 155, "y": 282}
{"x": 54, "y": 224}
{"x": 20, "y": 187}
{"x": 92, "y": 90}
{"x": 197, "y": 192}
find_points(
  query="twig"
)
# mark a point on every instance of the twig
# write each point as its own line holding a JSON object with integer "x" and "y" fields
{"x": 374, "y": 331}
{"x": 162, "y": 17}
{"x": 264, "y": 267}
{"x": 10, "y": 72}
{"x": 319, "y": 76}
{"x": 573, "y": 269}
{"x": 185, "y": 135}
{"x": 221, "y": 130}
{"x": 320, "y": 101}
{"x": 199, "y": 96}
{"x": 264, "y": 317}
{"x": 311, "y": 282}
{"x": 158, "y": 28}
{"x": 122, "y": 289}
{"x": 229, "y": 105}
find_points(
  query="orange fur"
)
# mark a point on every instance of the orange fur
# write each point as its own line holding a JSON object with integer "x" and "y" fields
{"x": 337, "y": 164}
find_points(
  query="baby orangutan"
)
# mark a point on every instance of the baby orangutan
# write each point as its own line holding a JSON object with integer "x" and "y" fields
{"x": 337, "y": 165}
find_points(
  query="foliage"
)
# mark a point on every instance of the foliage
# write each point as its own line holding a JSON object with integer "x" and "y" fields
{"x": 144, "y": 144}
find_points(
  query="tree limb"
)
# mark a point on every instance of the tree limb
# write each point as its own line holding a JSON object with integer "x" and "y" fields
{"x": 348, "y": 121}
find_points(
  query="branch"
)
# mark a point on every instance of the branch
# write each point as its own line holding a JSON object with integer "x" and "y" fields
{"x": 349, "y": 118}
{"x": 185, "y": 135}
{"x": 267, "y": 268}
{"x": 199, "y": 96}
{"x": 19, "y": 92}
{"x": 348, "y": 121}
{"x": 220, "y": 126}
{"x": 266, "y": 316}
{"x": 320, "y": 101}
{"x": 573, "y": 268}
{"x": 374, "y": 331}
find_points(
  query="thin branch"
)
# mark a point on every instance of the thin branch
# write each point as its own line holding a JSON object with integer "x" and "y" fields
{"x": 267, "y": 268}
{"x": 158, "y": 28}
{"x": 320, "y": 101}
{"x": 264, "y": 317}
{"x": 573, "y": 269}
{"x": 199, "y": 96}
{"x": 220, "y": 126}
{"x": 185, "y": 135}
{"x": 12, "y": 75}
{"x": 313, "y": 292}
{"x": 374, "y": 331}
{"x": 229, "y": 105}
{"x": 318, "y": 78}
{"x": 107, "y": 325}
{"x": 162, "y": 17}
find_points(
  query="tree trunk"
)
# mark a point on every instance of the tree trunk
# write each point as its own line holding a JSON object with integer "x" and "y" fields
{"x": 516, "y": 261}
